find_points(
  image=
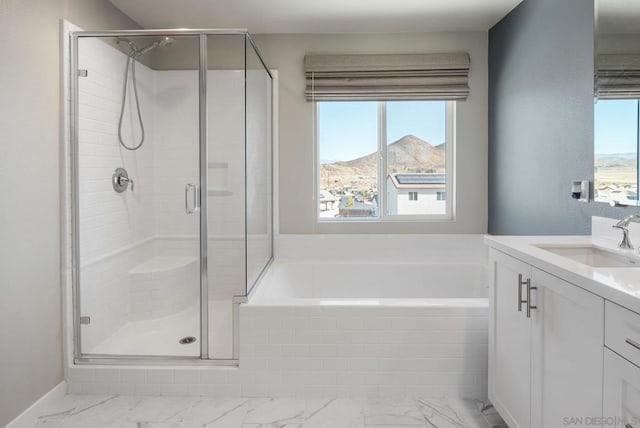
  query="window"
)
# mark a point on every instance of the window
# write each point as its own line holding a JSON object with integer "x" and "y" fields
{"x": 374, "y": 158}
{"x": 617, "y": 139}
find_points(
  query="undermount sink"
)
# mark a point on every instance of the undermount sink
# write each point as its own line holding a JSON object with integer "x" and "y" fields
{"x": 592, "y": 256}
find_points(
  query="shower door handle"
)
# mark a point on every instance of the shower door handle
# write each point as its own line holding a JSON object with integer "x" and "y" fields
{"x": 195, "y": 206}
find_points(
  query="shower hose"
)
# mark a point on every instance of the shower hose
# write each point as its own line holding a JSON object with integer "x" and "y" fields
{"x": 130, "y": 60}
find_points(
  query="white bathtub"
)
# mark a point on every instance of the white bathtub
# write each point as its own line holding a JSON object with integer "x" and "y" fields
{"x": 373, "y": 284}
{"x": 397, "y": 325}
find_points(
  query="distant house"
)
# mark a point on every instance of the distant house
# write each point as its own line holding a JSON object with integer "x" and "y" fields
{"x": 350, "y": 207}
{"x": 416, "y": 193}
{"x": 326, "y": 198}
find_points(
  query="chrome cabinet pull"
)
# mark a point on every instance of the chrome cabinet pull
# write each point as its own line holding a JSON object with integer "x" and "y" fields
{"x": 196, "y": 203}
{"x": 520, "y": 284}
{"x": 633, "y": 343}
{"x": 529, "y": 306}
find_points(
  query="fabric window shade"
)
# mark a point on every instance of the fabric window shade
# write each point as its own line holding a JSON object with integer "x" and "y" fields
{"x": 387, "y": 77}
{"x": 618, "y": 76}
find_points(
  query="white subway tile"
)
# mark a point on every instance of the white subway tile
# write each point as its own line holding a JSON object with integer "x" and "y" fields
{"x": 95, "y": 388}
{"x": 121, "y": 388}
{"x": 188, "y": 376}
{"x": 214, "y": 376}
{"x": 160, "y": 376}
{"x": 281, "y": 336}
{"x": 322, "y": 323}
{"x": 108, "y": 375}
{"x": 268, "y": 351}
{"x": 74, "y": 387}
{"x": 172, "y": 389}
{"x": 81, "y": 374}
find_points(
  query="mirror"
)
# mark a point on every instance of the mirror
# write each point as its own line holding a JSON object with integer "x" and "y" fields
{"x": 617, "y": 102}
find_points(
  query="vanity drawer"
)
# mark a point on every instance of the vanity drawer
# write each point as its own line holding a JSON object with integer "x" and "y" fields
{"x": 621, "y": 398}
{"x": 622, "y": 332}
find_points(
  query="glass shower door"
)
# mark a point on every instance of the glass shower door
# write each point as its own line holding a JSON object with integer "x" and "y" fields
{"x": 137, "y": 199}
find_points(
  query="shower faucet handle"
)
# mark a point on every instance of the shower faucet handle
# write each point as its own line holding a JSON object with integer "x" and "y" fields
{"x": 120, "y": 180}
{"x": 124, "y": 181}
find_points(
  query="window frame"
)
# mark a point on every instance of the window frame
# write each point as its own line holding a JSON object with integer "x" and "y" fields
{"x": 382, "y": 216}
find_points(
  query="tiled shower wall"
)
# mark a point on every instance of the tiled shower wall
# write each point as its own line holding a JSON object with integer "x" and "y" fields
{"x": 110, "y": 220}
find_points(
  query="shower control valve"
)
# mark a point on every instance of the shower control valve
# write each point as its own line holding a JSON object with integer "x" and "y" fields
{"x": 120, "y": 180}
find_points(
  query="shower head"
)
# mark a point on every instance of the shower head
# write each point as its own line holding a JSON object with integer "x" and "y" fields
{"x": 163, "y": 42}
{"x": 135, "y": 52}
{"x": 166, "y": 41}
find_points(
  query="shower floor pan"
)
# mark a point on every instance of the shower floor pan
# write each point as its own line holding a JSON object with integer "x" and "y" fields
{"x": 161, "y": 336}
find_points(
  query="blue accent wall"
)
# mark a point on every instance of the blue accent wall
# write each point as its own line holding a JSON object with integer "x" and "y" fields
{"x": 541, "y": 119}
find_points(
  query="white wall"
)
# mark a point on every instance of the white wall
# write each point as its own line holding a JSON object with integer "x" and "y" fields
{"x": 296, "y": 143}
{"x": 30, "y": 309}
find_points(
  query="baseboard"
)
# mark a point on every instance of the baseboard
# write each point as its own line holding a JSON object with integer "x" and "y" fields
{"x": 28, "y": 418}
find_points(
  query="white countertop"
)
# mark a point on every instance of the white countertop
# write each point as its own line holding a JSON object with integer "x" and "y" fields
{"x": 619, "y": 285}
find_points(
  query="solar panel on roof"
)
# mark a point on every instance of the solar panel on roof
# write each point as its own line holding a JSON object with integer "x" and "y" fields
{"x": 420, "y": 178}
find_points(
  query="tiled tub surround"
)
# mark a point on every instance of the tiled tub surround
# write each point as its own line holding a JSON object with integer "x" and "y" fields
{"x": 421, "y": 350}
{"x": 340, "y": 345}
{"x": 391, "y": 328}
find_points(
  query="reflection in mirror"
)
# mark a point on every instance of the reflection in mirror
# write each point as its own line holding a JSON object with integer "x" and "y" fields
{"x": 617, "y": 96}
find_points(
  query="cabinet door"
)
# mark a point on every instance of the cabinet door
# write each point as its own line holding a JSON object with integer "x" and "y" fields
{"x": 621, "y": 391}
{"x": 567, "y": 353}
{"x": 509, "y": 342}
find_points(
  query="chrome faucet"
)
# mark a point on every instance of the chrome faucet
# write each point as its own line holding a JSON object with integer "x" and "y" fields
{"x": 623, "y": 225}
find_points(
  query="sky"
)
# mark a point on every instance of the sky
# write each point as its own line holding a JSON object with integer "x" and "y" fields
{"x": 348, "y": 130}
{"x": 616, "y": 123}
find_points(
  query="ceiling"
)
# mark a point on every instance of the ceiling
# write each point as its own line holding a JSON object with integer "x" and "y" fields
{"x": 324, "y": 16}
{"x": 618, "y": 16}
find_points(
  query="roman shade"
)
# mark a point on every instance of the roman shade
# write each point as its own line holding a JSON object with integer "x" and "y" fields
{"x": 618, "y": 76}
{"x": 387, "y": 77}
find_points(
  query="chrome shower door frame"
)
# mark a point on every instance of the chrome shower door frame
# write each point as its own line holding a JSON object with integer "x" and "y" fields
{"x": 203, "y": 358}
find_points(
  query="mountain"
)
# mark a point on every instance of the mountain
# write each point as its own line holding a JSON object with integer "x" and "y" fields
{"x": 616, "y": 160}
{"x": 632, "y": 155}
{"x": 408, "y": 154}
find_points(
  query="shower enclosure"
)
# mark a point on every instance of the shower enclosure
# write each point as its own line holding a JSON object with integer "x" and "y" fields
{"x": 171, "y": 191}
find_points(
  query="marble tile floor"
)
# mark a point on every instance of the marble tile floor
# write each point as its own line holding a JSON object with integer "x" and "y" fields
{"x": 96, "y": 411}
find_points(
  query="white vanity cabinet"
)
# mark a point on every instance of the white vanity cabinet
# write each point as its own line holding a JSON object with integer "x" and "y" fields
{"x": 622, "y": 367}
{"x": 509, "y": 341}
{"x": 546, "y": 339}
{"x": 566, "y": 343}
